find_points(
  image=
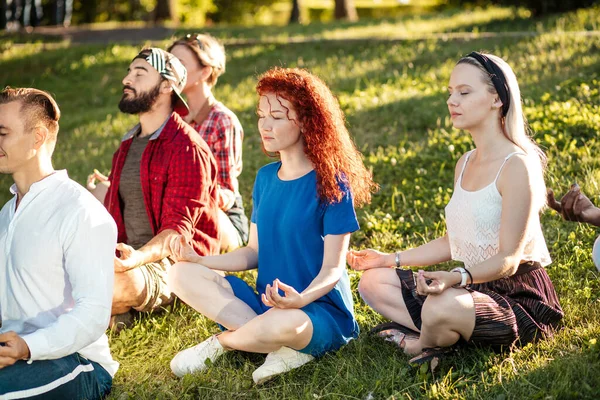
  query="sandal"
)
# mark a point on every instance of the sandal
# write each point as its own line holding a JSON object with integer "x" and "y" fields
{"x": 429, "y": 354}
{"x": 390, "y": 326}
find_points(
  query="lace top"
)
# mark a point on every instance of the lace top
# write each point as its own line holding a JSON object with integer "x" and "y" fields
{"x": 473, "y": 224}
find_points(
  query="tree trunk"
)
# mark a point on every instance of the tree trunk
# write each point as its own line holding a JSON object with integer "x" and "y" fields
{"x": 295, "y": 17}
{"x": 89, "y": 10}
{"x": 164, "y": 11}
{"x": 344, "y": 9}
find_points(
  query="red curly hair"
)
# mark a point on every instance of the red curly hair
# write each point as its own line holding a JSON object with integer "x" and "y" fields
{"x": 327, "y": 143}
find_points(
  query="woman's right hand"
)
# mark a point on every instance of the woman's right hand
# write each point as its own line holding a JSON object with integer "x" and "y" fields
{"x": 361, "y": 260}
{"x": 181, "y": 250}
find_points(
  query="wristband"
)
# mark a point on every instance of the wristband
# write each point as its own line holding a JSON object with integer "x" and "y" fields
{"x": 463, "y": 277}
{"x": 470, "y": 276}
{"x": 397, "y": 259}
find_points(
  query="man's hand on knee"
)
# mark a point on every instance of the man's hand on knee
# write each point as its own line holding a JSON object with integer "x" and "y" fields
{"x": 129, "y": 258}
{"x": 12, "y": 349}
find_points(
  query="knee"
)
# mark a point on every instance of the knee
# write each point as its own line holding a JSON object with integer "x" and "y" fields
{"x": 128, "y": 283}
{"x": 183, "y": 277}
{"x": 178, "y": 277}
{"x": 291, "y": 323}
{"x": 438, "y": 309}
{"x": 369, "y": 285}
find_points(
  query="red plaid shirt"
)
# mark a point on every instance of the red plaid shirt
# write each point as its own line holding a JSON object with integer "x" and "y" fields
{"x": 178, "y": 174}
{"x": 223, "y": 133}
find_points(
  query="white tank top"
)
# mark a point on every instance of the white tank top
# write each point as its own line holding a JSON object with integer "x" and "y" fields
{"x": 473, "y": 224}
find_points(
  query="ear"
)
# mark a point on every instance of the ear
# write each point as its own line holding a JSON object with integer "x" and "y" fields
{"x": 41, "y": 134}
{"x": 165, "y": 87}
{"x": 205, "y": 73}
{"x": 497, "y": 104}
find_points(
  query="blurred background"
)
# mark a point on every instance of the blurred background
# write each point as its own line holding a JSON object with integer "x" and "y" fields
{"x": 25, "y": 15}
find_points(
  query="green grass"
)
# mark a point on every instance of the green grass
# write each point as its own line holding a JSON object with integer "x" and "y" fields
{"x": 394, "y": 98}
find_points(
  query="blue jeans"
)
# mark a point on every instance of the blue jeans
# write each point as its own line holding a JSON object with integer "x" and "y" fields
{"x": 70, "y": 377}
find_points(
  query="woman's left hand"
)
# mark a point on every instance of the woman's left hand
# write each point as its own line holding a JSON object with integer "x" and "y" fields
{"x": 290, "y": 299}
{"x": 440, "y": 281}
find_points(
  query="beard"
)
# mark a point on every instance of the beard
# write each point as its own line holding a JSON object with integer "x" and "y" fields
{"x": 139, "y": 103}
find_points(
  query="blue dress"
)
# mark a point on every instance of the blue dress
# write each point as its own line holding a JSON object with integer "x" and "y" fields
{"x": 292, "y": 224}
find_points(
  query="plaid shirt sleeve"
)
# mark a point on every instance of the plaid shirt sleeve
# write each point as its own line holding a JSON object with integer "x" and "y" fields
{"x": 224, "y": 144}
{"x": 187, "y": 195}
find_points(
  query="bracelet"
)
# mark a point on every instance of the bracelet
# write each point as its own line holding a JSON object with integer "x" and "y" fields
{"x": 463, "y": 277}
{"x": 397, "y": 259}
{"x": 470, "y": 276}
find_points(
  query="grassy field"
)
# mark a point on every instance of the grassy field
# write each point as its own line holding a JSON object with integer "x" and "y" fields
{"x": 394, "y": 98}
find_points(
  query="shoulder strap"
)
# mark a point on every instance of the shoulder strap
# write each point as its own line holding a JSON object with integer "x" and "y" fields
{"x": 505, "y": 160}
{"x": 464, "y": 166}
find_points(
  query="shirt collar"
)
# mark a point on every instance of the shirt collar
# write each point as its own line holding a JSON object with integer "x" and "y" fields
{"x": 136, "y": 129}
{"x": 50, "y": 180}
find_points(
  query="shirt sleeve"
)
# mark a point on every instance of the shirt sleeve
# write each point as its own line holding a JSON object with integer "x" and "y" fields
{"x": 340, "y": 217}
{"x": 224, "y": 151}
{"x": 89, "y": 242}
{"x": 190, "y": 191}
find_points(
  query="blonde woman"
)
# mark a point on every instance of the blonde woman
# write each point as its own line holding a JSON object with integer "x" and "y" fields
{"x": 502, "y": 294}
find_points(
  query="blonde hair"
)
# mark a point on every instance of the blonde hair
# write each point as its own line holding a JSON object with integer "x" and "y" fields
{"x": 208, "y": 51}
{"x": 514, "y": 125}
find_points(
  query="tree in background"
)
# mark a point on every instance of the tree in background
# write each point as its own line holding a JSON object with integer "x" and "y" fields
{"x": 345, "y": 9}
{"x": 164, "y": 11}
{"x": 296, "y": 12}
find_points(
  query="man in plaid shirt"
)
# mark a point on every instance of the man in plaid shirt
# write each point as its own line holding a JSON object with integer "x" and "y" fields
{"x": 163, "y": 183}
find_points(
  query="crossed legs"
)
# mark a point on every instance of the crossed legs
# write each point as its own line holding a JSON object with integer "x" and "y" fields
{"x": 445, "y": 318}
{"x": 211, "y": 295}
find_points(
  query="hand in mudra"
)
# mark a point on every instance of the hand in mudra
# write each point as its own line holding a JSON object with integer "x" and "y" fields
{"x": 361, "y": 260}
{"x": 574, "y": 206}
{"x": 181, "y": 250}
{"x": 290, "y": 299}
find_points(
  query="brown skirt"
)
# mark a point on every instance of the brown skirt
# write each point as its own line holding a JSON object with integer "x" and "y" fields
{"x": 522, "y": 307}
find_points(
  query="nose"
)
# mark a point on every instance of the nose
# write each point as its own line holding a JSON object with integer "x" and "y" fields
{"x": 452, "y": 100}
{"x": 127, "y": 80}
{"x": 264, "y": 125}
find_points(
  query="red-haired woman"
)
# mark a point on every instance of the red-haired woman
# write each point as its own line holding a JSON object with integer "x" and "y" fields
{"x": 303, "y": 214}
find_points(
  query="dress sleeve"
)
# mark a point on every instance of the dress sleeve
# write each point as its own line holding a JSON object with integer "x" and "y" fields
{"x": 340, "y": 218}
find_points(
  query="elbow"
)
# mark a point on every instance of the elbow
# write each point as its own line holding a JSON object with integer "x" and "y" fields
{"x": 511, "y": 264}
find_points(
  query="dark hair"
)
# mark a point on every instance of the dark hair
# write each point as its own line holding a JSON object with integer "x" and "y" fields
{"x": 37, "y": 106}
{"x": 208, "y": 51}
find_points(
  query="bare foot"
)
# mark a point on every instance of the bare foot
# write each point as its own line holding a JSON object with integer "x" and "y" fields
{"x": 408, "y": 343}
{"x": 412, "y": 347}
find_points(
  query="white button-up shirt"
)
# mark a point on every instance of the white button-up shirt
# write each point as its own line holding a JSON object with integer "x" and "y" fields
{"x": 56, "y": 271}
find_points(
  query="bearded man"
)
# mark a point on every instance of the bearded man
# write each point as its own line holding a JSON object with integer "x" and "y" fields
{"x": 162, "y": 183}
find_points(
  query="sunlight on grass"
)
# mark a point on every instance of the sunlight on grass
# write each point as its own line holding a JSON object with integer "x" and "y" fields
{"x": 393, "y": 94}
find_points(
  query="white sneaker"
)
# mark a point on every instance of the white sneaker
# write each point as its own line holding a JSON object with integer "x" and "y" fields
{"x": 194, "y": 359}
{"x": 278, "y": 362}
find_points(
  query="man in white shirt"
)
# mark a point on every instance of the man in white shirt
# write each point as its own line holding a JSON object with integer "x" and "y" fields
{"x": 56, "y": 267}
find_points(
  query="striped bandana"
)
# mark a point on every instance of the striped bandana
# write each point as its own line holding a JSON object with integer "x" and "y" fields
{"x": 170, "y": 68}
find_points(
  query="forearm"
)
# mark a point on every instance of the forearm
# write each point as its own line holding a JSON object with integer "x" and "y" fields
{"x": 434, "y": 252}
{"x": 496, "y": 267}
{"x": 158, "y": 247}
{"x": 323, "y": 283}
{"x": 241, "y": 259}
